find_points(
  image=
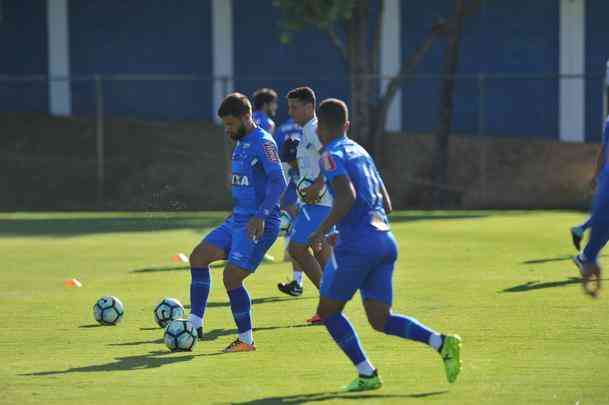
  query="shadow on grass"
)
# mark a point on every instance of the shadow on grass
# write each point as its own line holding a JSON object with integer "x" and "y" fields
{"x": 211, "y": 335}
{"x": 256, "y": 301}
{"x": 536, "y": 285}
{"x": 145, "y": 361}
{"x": 551, "y": 259}
{"x": 67, "y": 227}
{"x": 405, "y": 217}
{"x": 91, "y": 325}
{"x": 216, "y": 333}
{"x": 157, "y": 328}
{"x": 324, "y": 396}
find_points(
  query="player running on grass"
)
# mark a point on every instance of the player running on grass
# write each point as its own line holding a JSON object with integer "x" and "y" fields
{"x": 587, "y": 261}
{"x": 365, "y": 253}
{"x": 246, "y": 235}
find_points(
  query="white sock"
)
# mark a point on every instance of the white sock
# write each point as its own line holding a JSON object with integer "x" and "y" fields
{"x": 365, "y": 368}
{"x": 247, "y": 337}
{"x": 298, "y": 277}
{"x": 435, "y": 341}
{"x": 196, "y": 321}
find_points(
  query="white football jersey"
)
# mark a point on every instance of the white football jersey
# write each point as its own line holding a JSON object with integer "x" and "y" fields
{"x": 308, "y": 157}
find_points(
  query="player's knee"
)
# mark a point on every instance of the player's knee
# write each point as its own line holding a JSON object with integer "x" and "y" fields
{"x": 296, "y": 251}
{"x": 377, "y": 323}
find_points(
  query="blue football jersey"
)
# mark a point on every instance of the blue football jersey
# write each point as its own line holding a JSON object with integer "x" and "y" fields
{"x": 255, "y": 159}
{"x": 287, "y": 130}
{"x": 263, "y": 121}
{"x": 345, "y": 157}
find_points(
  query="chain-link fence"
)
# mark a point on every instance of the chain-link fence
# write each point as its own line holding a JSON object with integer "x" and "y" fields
{"x": 149, "y": 142}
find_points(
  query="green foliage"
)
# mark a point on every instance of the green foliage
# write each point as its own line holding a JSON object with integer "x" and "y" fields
{"x": 321, "y": 14}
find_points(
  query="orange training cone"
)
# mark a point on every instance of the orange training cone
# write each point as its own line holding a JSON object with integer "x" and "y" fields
{"x": 72, "y": 282}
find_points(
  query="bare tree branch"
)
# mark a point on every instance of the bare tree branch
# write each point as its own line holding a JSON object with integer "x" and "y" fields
{"x": 337, "y": 43}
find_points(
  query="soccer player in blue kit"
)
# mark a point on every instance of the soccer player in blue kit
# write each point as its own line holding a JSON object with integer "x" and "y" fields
{"x": 265, "y": 108}
{"x": 587, "y": 261}
{"x": 365, "y": 253}
{"x": 245, "y": 236}
{"x": 288, "y": 137}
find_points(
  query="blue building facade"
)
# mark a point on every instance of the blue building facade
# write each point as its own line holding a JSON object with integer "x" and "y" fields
{"x": 157, "y": 38}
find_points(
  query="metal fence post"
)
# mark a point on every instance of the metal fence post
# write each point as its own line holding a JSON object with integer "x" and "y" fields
{"x": 99, "y": 93}
{"x": 481, "y": 134}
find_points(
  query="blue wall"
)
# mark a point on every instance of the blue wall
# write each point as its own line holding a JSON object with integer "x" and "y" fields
{"x": 143, "y": 37}
{"x": 597, "y": 53}
{"x": 23, "y": 40}
{"x": 308, "y": 60}
{"x": 490, "y": 44}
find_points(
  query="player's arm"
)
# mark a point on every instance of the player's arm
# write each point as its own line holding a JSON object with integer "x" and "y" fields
{"x": 386, "y": 199}
{"x": 271, "y": 127}
{"x": 276, "y": 185}
{"x": 334, "y": 171}
{"x": 311, "y": 193}
{"x": 344, "y": 198}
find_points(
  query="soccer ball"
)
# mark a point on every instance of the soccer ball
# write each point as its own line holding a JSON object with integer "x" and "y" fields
{"x": 285, "y": 221}
{"x": 306, "y": 182}
{"x": 108, "y": 310}
{"x": 180, "y": 335}
{"x": 168, "y": 310}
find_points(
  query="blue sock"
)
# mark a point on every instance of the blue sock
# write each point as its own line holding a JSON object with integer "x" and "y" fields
{"x": 586, "y": 224}
{"x": 200, "y": 285}
{"x": 345, "y": 336}
{"x": 408, "y": 328}
{"x": 599, "y": 235}
{"x": 241, "y": 305}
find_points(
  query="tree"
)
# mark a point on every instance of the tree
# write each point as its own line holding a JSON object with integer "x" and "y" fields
{"x": 350, "y": 29}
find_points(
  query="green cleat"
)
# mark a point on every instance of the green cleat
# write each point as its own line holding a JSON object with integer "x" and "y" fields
{"x": 362, "y": 383}
{"x": 451, "y": 351}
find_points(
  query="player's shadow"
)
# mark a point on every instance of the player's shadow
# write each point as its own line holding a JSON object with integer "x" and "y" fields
{"x": 91, "y": 325}
{"x": 407, "y": 217}
{"x": 159, "y": 269}
{"x": 536, "y": 285}
{"x": 138, "y": 342}
{"x": 550, "y": 259}
{"x": 256, "y": 301}
{"x": 216, "y": 333}
{"x": 150, "y": 360}
{"x": 325, "y": 396}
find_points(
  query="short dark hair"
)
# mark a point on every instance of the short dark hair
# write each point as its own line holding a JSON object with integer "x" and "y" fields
{"x": 235, "y": 105}
{"x": 263, "y": 96}
{"x": 333, "y": 112}
{"x": 304, "y": 94}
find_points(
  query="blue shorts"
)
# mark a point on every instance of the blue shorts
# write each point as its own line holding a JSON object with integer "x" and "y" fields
{"x": 290, "y": 196}
{"x": 365, "y": 263}
{"x": 231, "y": 236}
{"x": 307, "y": 221}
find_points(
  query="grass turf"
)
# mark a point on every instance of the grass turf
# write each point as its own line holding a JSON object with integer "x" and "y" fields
{"x": 502, "y": 280}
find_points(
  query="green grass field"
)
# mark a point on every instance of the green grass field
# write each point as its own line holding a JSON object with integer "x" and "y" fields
{"x": 502, "y": 280}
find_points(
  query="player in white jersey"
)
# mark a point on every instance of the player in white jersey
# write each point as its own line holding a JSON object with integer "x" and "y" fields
{"x": 316, "y": 202}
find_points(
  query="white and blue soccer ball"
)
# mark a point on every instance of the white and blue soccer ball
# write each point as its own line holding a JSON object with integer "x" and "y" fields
{"x": 168, "y": 310}
{"x": 108, "y": 310}
{"x": 285, "y": 221}
{"x": 180, "y": 335}
{"x": 306, "y": 182}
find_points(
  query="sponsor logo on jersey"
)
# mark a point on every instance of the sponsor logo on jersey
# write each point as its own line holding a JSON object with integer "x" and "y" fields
{"x": 270, "y": 151}
{"x": 240, "y": 180}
